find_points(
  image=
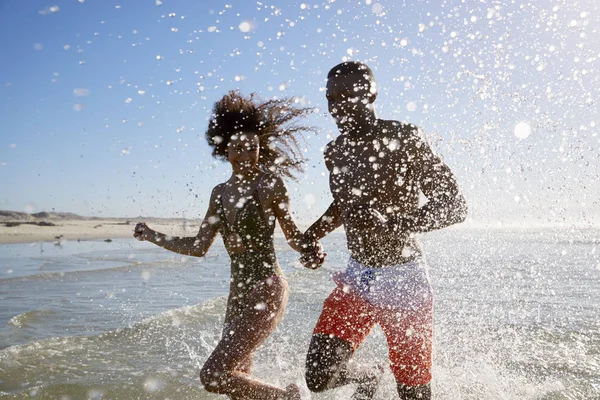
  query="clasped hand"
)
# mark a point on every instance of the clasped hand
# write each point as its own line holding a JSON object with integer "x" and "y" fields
{"x": 312, "y": 254}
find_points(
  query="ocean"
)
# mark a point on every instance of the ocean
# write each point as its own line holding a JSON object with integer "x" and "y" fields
{"x": 517, "y": 316}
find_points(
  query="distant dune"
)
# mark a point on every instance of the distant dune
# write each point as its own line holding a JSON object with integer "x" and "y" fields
{"x": 22, "y": 216}
{"x": 14, "y": 216}
{"x": 59, "y": 215}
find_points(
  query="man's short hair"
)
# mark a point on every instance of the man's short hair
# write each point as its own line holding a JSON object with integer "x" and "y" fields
{"x": 351, "y": 67}
{"x": 358, "y": 69}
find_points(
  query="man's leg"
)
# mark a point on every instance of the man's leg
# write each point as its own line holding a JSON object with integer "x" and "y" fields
{"x": 409, "y": 335}
{"x": 329, "y": 365}
{"x": 344, "y": 323}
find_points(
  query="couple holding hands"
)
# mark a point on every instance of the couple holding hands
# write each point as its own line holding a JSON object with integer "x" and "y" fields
{"x": 378, "y": 169}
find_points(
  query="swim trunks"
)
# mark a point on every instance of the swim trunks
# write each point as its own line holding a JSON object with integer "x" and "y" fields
{"x": 404, "y": 287}
{"x": 399, "y": 299}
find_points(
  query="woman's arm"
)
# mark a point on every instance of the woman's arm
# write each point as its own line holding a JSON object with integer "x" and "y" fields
{"x": 282, "y": 210}
{"x": 196, "y": 246}
{"x": 311, "y": 249}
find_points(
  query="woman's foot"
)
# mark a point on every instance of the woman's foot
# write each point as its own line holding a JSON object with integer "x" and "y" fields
{"x": 292, "y": 392}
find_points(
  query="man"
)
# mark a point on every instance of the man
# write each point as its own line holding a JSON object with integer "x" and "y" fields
{"x": 377, "y": 170}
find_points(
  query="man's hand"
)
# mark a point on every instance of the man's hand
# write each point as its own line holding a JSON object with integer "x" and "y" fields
{"x": 312, "y": 254}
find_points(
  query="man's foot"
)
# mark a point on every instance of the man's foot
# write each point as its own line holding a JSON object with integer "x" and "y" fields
{"x": 292, "y": 392}
{"x": 366, "y": 388}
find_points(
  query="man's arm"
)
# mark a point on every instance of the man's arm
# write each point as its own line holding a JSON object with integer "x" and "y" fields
{"x": 331, "y": 219}
{"x": 327, "y": 223}
{"x": 446, "y": 205}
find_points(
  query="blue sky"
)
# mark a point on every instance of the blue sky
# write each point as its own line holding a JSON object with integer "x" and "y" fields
{"x": 104, "y": 103}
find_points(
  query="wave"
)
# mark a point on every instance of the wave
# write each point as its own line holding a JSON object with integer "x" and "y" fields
{"x": 31, "y": 267}
{"x": 173, "y": 322}
{"x": 29, "y": 318}
{"x": 160, "y": 386}
{"x": 124, "y": 265}
{"x": 160, "y": 357}
{"x": 199, "y": 316}
{"x": 183, "y": 336}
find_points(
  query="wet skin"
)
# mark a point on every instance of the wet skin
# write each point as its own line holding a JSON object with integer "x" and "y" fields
{"x": 258, "y": 292}
{"x": 377, "y": 171}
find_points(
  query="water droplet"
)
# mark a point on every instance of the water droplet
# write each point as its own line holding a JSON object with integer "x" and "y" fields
{"x": 81, "y": 92}
{"x": 522, "y": 130}
{"x": 245, "y": 26}
{"x": 153, "y": 385}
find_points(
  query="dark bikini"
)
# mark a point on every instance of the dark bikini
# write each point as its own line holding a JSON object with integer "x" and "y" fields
{"x": 257, "y": 263}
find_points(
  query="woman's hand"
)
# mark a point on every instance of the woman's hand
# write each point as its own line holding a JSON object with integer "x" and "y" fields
{"x": 312, "y": 254}
{"x": 142, "y": 231}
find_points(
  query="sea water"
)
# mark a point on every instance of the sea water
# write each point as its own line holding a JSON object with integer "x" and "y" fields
{"x": 516, "y": 317}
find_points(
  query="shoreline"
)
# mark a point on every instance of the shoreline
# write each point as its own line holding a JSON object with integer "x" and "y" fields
{"x": 88, "y": 229}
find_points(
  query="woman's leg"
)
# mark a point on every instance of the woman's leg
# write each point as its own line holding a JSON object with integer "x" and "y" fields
{"x": 223, "y": 372}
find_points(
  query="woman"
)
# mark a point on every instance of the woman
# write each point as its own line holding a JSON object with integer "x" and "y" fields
{"x": 261, "y": 146}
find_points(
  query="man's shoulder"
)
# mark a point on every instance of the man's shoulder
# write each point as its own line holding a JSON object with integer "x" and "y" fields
{"x": 329, "y": 153}
{"x": 408, "y": 137}
{"x": 331, "y": 144}
{"x": 401, "y": 129}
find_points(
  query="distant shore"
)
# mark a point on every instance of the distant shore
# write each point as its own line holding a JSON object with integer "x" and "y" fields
{"x": 46, "y": 227}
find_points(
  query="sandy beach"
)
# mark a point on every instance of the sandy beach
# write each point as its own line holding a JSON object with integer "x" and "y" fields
{"x": 84, "y": 229}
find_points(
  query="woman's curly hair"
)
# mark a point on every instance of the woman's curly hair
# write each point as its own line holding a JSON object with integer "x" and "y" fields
{"x": 273, "y": 120}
